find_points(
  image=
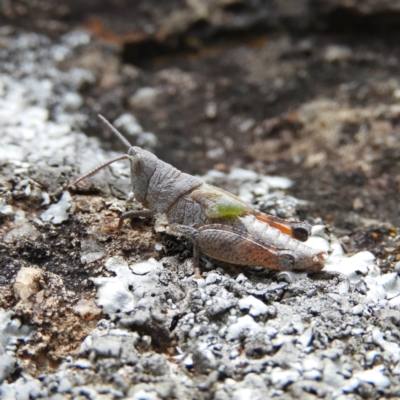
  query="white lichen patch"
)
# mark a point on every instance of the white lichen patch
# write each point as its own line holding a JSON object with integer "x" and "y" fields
{"x": 58, "y": 213}
{"x": 113, "y": 294}
{"x": 122, "y": 292}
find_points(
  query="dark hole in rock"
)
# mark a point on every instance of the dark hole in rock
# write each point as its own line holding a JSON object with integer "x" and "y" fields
{"x": 174, "y": 322}
{"x": 344, "y": 20}
{"x": 236, "y": 8}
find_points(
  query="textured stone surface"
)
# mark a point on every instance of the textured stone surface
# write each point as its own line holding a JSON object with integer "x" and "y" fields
{"x": 114, "y": 315}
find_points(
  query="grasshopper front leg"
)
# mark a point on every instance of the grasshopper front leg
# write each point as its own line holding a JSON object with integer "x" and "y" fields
{"x": 127, "y": 215}
{"x": 192, "y": 234}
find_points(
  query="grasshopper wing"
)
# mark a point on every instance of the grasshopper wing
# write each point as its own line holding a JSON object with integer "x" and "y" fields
{"x": 218, "y": 203}
{"x": 295, "y": 229}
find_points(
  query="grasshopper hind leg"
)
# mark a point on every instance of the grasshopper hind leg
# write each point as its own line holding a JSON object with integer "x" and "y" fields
{"x": 192, "y": 235}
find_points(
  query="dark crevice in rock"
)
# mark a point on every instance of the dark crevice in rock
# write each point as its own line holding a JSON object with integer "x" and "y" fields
{"x": 202, "y": 35}
{"x": 343, "y": 20}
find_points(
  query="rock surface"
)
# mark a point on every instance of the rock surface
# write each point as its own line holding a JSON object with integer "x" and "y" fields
{"x": 88, "y": 313}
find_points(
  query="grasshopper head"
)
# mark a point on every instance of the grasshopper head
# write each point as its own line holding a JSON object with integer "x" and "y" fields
{"x": 133, "y": 150}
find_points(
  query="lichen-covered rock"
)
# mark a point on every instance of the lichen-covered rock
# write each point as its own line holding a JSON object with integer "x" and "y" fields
{"x": 11, "y": 331}
{"x": 99, "y": 314}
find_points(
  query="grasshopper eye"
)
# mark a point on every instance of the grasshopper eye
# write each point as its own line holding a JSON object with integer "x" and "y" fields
{"x": 300, "y": 233}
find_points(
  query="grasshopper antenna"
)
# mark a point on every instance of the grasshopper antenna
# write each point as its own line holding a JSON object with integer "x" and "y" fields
{"x": 115, "y": 131}
{"x": 123, "y": 157}
{"x": 93, "y": 171}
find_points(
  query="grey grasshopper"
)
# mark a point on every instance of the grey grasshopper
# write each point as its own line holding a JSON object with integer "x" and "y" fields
{"x": 218, "y": 223}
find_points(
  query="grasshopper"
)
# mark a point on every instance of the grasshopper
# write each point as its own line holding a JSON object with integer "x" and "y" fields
{"x": 218, "y": 223}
